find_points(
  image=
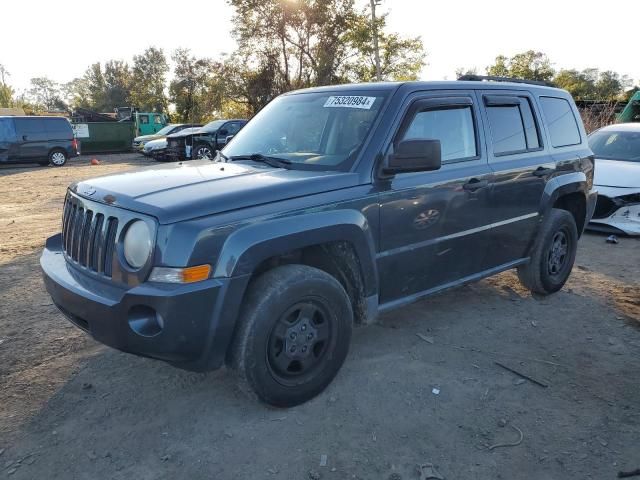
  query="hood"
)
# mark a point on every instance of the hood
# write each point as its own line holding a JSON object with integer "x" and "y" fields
{"x": 158, "y": 142}
{"x": 189, "y": 131}
{"x": 182, "y": 191}
{"x": 617, "y": 173}
{"x": 146, "y": 138}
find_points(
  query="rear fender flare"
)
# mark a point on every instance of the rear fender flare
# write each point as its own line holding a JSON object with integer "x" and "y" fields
{"x": 563, "y": 185}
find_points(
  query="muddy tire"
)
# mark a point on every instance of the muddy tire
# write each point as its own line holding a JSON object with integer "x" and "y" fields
{"x": 293, "y": 334}
{"x": 553, "y": 255}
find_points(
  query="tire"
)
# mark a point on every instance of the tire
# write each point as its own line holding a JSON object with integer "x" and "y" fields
{"x": 293, "y": 335}
{"x": 553, "y": 255}
{"x": 202, "y": 151}
{"x": 57, "y": 157}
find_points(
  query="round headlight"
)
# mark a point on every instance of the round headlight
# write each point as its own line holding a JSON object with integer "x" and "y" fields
{"x": 137, "y": 244}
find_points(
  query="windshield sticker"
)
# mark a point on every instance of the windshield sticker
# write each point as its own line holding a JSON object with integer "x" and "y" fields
{"x": 350, "y": 102}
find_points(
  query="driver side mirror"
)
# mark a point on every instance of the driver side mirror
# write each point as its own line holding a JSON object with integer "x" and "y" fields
{"x": 415, "y": 156}
{"x": 228, "y": 139}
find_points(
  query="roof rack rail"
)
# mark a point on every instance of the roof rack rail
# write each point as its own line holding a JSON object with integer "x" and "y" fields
{"x": 492, "y": 78}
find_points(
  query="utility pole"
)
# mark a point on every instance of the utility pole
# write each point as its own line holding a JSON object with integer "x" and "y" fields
{"x": 374, "y": 27}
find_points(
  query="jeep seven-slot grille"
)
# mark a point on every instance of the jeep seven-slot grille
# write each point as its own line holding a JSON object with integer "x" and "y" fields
{"x": 88, "y": 238}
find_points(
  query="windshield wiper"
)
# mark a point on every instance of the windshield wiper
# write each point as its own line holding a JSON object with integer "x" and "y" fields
{"x": 221, "y": 155}
{"x": 258, "y": 157}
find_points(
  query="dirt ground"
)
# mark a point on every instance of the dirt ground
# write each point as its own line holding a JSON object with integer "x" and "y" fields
{"x": 73, "y": 409}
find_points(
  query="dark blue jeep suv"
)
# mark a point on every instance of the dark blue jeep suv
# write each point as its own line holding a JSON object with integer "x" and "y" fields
{"x": 333, "y": 204}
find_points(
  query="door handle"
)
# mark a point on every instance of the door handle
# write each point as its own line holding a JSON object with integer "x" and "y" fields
{"x": 24, "y": 138}
{"x": 475, "y": 184}
{"x": 543, "y": 172}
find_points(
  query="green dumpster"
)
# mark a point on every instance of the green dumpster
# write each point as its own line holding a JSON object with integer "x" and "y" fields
{"x": 100, "y": 137}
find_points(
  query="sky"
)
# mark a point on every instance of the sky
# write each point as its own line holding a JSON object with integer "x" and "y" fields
{"x": 61, "y": 38}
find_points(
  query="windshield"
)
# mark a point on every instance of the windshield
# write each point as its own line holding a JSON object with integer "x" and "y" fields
{"x": 213, "y": 126}
{"x": 311, "y": 130}
{"x": 616, "y": 145}
{"x": 165, "y": 130}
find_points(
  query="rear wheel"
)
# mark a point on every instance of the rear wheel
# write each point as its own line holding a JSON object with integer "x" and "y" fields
{"x": 293, "y": 335}
{"x": 201, "y": 151}
{"x": 57, "y": 158}
{"x": 553, "y": 256}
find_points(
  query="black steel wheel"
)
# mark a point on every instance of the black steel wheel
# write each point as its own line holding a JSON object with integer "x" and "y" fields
{"x": 299, "y": 341}
{"x": 553, "y": 254}
{"x": 293, "y": 334}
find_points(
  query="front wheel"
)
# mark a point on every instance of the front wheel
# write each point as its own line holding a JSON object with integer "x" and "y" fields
{"x": 293, "y": 334}
{"x": 57, "y": 158}
{"x": 553, "y": 255}
{"x": 201, "y": 151}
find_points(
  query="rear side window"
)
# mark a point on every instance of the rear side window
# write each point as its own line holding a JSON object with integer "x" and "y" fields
{"x": 561, "y": 122}
{"x": 7, "y": 132}
{"x": 58, "y": 128}
{"x": 454, "y": 128}
{"x": 513, "y": 127}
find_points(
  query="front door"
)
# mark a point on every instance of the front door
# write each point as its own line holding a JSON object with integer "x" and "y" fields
{"x": 32, "y": 138}
{"x": 434, "y": 227}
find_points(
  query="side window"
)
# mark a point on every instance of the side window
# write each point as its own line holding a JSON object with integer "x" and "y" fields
{"x": 7, "y": 132}
{"x": 561, "y": 122}
{"x": 32, "y": 127}
{"x": 143, "y": 119}
{"x": 157, "y": 119}
{"x": 513, "y": 126}
{"x": 233, "y": 128}
{"x": 453, "y": 126}
{"x": 59, "y": 129}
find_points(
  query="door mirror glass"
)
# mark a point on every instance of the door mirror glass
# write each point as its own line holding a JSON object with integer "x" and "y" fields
{"x": 422, "y": 155}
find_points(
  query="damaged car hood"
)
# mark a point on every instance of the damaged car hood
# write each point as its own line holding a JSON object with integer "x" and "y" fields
{"x": 617, "y": 173}
{"x": 183, "y": 191}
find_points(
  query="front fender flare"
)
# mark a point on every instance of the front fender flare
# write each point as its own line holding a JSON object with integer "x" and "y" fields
{"x": 249, "y": 246}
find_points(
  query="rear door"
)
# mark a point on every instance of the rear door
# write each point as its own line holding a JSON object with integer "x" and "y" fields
{"x": 32, "y": 138}
{"x": 59, "y": 133}
{"x": 521, "y": 165}
{"x": 433, "y": 225}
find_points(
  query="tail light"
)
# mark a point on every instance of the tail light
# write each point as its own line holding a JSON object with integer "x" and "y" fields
{"x": 76, "y": 147}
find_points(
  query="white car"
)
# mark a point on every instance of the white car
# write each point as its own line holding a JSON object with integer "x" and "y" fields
{"x": 154, "y": 147}
{"x": 617, "y": 178}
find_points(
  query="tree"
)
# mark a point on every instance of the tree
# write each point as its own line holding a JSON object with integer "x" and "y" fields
{"x": 591, "y": 84}
{"x": 400, "y": 58}
{"x": 196, "y": 89}
{"x": 284, "y": 45}
{"x": 148, "y": 80}
{"x": 6, "y": 92}
{"x": 529, "y": 65}
{"x": 117, "y": 84}
{"x": 45, "y": 94}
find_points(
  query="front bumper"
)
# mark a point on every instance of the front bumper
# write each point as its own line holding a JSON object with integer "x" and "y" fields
{"x": 625, "y": 219}
{"x": 189, "y": 326}
{"x": 615, "y": 212}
